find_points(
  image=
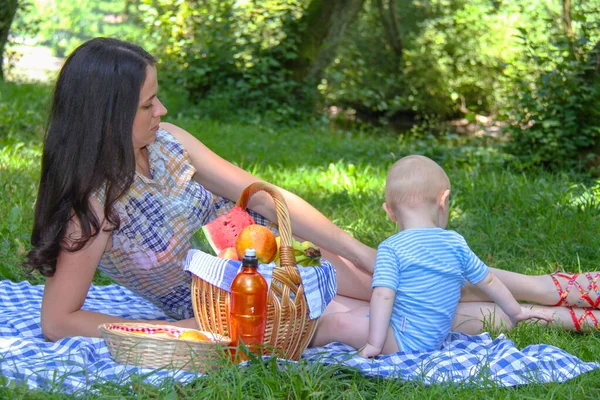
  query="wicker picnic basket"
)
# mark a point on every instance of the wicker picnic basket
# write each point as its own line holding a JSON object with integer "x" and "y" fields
{"x": 142, "y": 344}
{"x": 289, "y": 329}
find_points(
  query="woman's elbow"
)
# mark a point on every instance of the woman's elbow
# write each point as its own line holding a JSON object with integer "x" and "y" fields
{"x": 51, "y": 329}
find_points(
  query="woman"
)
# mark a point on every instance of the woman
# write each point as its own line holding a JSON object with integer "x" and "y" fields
{"x": 123, "y": 192}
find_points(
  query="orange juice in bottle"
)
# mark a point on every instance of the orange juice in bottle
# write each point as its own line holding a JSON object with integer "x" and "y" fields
{"x": 248, "y": 313}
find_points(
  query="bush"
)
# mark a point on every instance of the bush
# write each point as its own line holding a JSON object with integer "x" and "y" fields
{"x": 228, "y": 56}
{"x": 454, "y": 52}
{"x": 64, "y": 25}
{"x": 555, "y": 104}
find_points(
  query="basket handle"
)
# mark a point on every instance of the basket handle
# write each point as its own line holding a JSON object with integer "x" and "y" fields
{"x": 286, "y": 251}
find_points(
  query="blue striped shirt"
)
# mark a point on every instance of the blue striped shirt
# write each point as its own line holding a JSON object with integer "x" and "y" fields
{"x": 426, "y": 268}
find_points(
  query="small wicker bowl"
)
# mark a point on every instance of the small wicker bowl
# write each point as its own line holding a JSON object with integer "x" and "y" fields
{"x": 158, "y": 346}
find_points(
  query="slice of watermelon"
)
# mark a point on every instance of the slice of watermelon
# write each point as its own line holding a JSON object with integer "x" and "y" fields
{"x": 224, "y": 230}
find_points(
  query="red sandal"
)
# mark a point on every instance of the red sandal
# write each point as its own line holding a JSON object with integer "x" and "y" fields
{"x": 587, "y": 312}
{"x": 592, "y": 286}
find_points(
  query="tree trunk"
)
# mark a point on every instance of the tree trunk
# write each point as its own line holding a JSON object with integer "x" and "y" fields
{"x": 595, "y": 58}
{"x": 8, "y": 8}
{"x": 566, "y": 18}
{"x": 391, "y": 26}
{"x": 323, "y": 25}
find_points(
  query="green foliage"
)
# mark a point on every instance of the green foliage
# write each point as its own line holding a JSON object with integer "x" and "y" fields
{"x": 453, "y": 53}
{"x": 63, "y": 25}
{"x": 27, "y": 20}
{"x": 555, "y": 96}
{"x": 22, "y": 117}
{"x": 228, "y": 56}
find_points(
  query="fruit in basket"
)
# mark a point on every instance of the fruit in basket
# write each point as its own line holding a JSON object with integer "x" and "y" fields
{"x": 307, "y": 253}
{"x": 194, "y": 335}
{"x": 229, "y": 253}
{"x": 224, "y": 230}
{"x": 261, "y": 239}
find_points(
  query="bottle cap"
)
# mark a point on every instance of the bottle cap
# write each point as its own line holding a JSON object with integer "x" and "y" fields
{"x": 250, "y": 259}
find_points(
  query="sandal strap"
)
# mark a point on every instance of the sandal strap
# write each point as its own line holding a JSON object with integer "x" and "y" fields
{"x": 587, "y": 313}
{"x": 575, "y": 320}
{"x": 572, "y": 280}
{"x": 563, "y": 294}
{"x": 593, "y": 287}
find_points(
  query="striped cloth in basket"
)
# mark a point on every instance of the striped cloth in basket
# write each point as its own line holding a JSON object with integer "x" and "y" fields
{"x": 320, "y": 286}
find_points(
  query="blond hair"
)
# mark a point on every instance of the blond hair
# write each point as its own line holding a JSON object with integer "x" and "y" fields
{"x": 415, "y": 180}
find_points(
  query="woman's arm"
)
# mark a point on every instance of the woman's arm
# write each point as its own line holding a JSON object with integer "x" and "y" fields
{"x": 225, "y": 179}
{"x": 65, "y": 292}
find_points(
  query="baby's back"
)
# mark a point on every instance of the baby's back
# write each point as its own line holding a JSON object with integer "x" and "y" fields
{"x": 427, "y": 268}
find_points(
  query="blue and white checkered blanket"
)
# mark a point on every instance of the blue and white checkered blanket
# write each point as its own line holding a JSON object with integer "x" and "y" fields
{"x": 78, "y": 363}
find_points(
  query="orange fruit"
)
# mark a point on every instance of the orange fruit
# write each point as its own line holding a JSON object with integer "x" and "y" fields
{"x": 261, "y": 239}
{"x": 194, "y": 335}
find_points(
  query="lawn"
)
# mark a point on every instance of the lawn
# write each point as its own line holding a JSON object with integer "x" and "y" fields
{"x": 532, "y": 222}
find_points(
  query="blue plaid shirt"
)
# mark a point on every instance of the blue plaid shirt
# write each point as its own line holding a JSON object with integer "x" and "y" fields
{"x": 158, "y": 217}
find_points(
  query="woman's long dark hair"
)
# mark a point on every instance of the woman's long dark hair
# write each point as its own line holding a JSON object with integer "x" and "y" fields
{"x": 88, "y": 144}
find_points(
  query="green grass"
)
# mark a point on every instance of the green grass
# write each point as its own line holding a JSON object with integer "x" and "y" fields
{"x": 533, "y": 222}
{"x": 23, "y": 109}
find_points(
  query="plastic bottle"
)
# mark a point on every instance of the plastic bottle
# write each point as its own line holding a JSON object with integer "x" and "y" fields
{"x": 248, "y": 315}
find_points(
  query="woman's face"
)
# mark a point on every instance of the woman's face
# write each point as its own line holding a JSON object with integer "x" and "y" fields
{"x": 149, "y": 111}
